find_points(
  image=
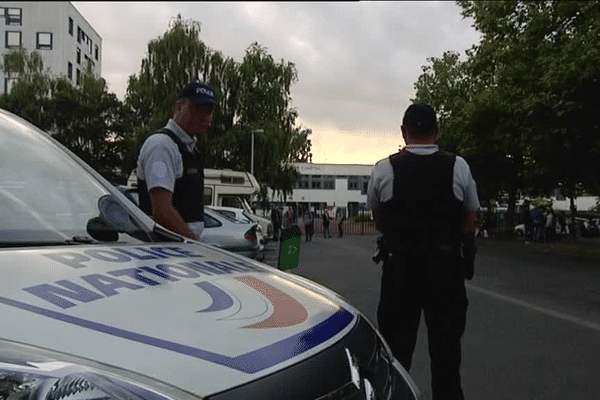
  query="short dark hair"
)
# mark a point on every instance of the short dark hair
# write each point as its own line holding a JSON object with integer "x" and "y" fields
{"x": 420, "y": 119}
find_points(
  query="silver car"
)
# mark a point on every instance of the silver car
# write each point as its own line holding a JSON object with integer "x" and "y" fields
{"x": 230, "y": 234}
{"x": 222, "y": 230}
{"x": 242, "y": 215}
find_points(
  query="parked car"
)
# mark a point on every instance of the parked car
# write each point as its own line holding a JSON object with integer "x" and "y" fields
{"x": 241, "y": 214}
{"x": 520, "y": 230}
{"x": 238, "y": 215}
{"x": 265, "y": 223}
{"x": 99, "y": 301}
{"x": 230, "y": 234}
{"x": 222, "y": 230}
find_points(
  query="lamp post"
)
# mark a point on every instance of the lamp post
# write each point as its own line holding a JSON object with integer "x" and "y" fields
{"x": 252, "y": 150}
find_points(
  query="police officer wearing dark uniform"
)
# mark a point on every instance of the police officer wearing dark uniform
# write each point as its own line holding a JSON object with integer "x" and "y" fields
{"x": 170, "y": 171}
{"x": 424, "y": 201}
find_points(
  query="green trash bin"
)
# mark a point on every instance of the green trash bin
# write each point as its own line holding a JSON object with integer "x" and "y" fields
{"x": 289, "y": 248}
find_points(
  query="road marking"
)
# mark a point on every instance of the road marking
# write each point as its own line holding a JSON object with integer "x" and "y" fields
{"x": 543, "y": 310}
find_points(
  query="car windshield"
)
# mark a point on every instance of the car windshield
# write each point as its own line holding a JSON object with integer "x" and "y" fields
{"x": 47, "y": 197}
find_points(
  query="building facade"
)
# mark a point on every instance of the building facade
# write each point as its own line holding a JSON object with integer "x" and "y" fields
{"x": 65, "y": 40}
{"x": 339, "y": 186}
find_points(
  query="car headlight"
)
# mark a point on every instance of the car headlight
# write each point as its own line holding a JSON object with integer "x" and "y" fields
{"x": 36, "y": 374}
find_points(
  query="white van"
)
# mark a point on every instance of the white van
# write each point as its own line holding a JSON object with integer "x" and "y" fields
{"x": 228, "y": 188}
{"x": 222, "y": 187}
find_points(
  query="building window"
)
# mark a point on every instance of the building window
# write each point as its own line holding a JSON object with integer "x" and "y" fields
{"x": 13, "y": 39}
{"x": 70, "y": 26}
{"x": 70, "y": 70}
{"x": 13, "y": 16}
{"x": 96, "y": 54}
{"x": 353, "y": 183}
{"x": 78, "y": 55}
{"x": 303, "y": 182}
{"x": 44, "y": 41}
{"x": 79, "y": 32}
{"x": 78, "y": 77}
{"x": 328, "y": 183}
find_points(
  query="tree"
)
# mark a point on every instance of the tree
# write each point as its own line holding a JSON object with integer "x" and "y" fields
{"x": 30, "y": 93}
{"x": 523, "y": 108}
{"x": 87, "y": 119}
{"x": 252, "y": 95}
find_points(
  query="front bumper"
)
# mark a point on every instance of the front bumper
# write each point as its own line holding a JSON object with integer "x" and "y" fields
{"x": 357, "y": 367}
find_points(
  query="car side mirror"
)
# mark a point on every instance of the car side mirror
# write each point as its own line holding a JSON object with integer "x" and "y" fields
{"x": 114, "y": 218}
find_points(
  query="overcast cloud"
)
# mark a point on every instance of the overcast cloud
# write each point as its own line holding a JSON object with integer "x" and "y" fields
{"x": 357, "y": 62}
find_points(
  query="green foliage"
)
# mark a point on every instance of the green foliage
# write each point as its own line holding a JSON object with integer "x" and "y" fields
{"x": 361, "y": 218}
{"x": 252, "y": 95}
{"x": 30, "y": 94}
{"x": 522, "y": 108}
{"x": 541, "y": 203}
{"x": 86, "y": 119}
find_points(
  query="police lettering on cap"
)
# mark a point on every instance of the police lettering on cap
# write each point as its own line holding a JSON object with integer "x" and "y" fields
{"x": 420, "y": 117}
{"x": 199, "y": 93}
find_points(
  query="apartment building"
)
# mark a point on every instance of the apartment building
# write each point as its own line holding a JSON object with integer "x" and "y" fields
{"x": 65, "y": 40}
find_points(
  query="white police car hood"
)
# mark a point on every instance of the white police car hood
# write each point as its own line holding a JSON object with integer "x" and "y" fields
{"x": 184, "y": 314}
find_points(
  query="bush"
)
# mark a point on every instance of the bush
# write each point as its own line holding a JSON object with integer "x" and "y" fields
{"x": 361, "y": 218}
{"x": 542, "y": 204}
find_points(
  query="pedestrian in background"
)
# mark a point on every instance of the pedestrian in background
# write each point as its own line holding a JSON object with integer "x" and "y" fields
{"x": 424, "y": 201}
{"x": 550, "y": 227}
{"x": 527, "y": 220}
{"x": 562, "y": 222}
{"x": 326, "y": 232}
{"x": 341, "y": 224}
{"x": 308, "y": 225}
{"x": 288, "y": 217}
{"x": 538, "y": 224}
{"x": 169, "y": 165}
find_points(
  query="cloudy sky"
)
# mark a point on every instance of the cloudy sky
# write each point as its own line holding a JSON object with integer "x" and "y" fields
{"x": 357, "y": 62}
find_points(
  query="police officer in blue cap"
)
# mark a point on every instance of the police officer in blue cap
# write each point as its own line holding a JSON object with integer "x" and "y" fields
{"x": 169, "y": 166}
{"x": 424, "y": 201}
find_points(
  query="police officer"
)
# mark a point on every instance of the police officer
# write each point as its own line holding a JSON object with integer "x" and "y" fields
{"x": 424, "y": 201}
{"x": 169, "y": 168}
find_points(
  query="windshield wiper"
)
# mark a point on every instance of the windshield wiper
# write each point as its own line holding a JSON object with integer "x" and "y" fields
{"x": 81, "y": 240}
{"x": 77, "y": 240}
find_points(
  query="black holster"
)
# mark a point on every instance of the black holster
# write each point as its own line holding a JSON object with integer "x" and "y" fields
{"x": 382, "y": 252}
{"x": 467, "y": 251}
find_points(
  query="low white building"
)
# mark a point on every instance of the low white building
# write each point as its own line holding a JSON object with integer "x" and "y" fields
{"x": 345, "y": 186}
{"x": 65, "y": 40}
{"x": 330, "y": 185}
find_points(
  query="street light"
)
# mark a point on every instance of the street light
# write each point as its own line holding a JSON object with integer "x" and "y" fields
{"x": 252, "y": 150}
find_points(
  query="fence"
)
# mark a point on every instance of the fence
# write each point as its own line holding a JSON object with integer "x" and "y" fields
{"x": 348, "y": 227}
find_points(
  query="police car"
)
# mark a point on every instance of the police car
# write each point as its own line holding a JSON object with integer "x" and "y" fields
{"x": 99, "y": 302}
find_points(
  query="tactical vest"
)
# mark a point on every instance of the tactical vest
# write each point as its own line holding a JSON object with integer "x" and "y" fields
{"x": 423, "y": 213}
{"x": 188, "y": 195}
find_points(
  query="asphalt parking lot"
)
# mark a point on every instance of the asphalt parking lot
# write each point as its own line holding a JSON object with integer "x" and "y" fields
{"x": 533, "y": 322}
